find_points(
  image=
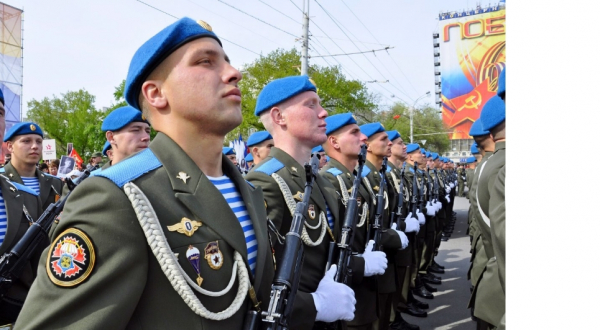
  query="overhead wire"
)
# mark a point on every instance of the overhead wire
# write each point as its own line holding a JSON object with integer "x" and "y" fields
{"x": 282, "y": 13}
{"x": 258, "y": 19}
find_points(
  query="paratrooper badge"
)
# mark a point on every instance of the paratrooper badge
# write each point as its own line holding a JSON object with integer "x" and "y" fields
{"x": 358, "y": 200}
{"x": 213, "y": 255}
{"x": 298, "y": 196}
{"x": 376, "y": 188}
{"x": 71, "y": 258}
{"x": 186, "y": 226}
{"x": 311, "y": 211}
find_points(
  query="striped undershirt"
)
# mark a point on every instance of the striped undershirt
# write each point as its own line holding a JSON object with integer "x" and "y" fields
{"x": 32, "y": 183}
{"x": 329, "y": 217}
{"x": 3, "y": 219}
{"x": 233, "y": 198}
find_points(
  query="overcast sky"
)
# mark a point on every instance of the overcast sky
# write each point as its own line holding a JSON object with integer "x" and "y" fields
{"x": 70, "y": 45}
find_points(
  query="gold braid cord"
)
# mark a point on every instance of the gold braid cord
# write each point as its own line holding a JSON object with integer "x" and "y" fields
{"x": 345, "y": 198}
{"x": 171, "y": 267}
{"x": 291, "y": 204}
{"x": 396, "y": 181}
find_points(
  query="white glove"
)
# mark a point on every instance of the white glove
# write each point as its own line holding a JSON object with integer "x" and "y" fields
{"x": 412, "y": 224}
{"x": 438, "y": 205}
{"x": 421, "y": 217}
{"x": 455, "y": 183}
{"x": 403, "y": 238}
{"x": 333, "y": 301}
{"x": 466, "y": 189}
{"x": 430, "y": 209}
{"x": 451, "y": 185}
{"x": 448, "y": 189}
{"x": 448, "y": 198}
{"x": 375, "y": 261}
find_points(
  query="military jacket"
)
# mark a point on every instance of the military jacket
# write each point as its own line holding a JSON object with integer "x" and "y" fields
{"x": 498, "y": 224}
{"x": 364, "y": 289}
{"x": 115, "y": 281}
{"x": 50, "y": 186}
{"x": 282, "y": 166}
{"x": 16, "y": 198}
{"x": 469, "y": 174}
{"x": 404, "y": 257}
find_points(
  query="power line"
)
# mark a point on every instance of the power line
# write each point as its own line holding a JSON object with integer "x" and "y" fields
{"x": 279, "y": 11}
{"x": 362, "y": 42}
{"x": 162, "y": 11}
{"x": 368, "y": 51}
{"x": 256, "y": 18}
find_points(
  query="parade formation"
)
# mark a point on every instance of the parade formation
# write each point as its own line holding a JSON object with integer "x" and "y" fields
{"x": 336, "y": 225}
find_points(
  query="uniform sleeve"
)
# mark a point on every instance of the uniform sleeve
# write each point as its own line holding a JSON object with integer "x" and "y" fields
{"x": 107, "y": 298}
{"x": 498, "y": 223}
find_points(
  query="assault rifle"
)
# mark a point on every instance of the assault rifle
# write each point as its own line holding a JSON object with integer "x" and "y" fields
{"x": 397, "y": 216}
{"x": 287, "y": 278}
{"x": 378, "y": 221}
{"x": 13, "y": 262}
{"x": 415, "y": 192}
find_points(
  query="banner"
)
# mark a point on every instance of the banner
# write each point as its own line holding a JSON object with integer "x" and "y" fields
{"x": 11, "y": 62}
{"x": 75, "y": 155}
{"x": 49, "y": 149}
{"x": 473, "y": 53}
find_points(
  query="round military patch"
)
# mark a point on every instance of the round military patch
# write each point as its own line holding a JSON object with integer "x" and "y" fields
{"x": 71, "y": 258}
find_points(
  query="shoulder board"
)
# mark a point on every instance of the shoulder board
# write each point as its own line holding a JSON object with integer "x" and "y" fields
{"x": 2, "y": 170}
{"x": 410, "y": 169}
{"x": 24, "y": 188}
{"x": 130, "y": 168}
{"x": 334, "y": 171}
{"x": 250, "y": 184}
{"x": 50, "y": 175}
{"x": 270, "y": 167}
{"x": 366, "y": 170}
{"x": 389, "y": 169}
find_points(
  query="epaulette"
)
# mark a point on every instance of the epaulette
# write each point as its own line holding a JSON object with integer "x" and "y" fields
{"x": 366, "y": 170}
{"x": 389, "y": 169}
{"x": 251, "y": 185}
{"x": 130, "y": 168}
{"x": 334, "y": 171}
{"x": 50, "y": 175}
{"x": 22, "y": 187}
{"x": 2, "y": 170}
{"x": 411, "y": 169}
{"x": 270, "y": 167}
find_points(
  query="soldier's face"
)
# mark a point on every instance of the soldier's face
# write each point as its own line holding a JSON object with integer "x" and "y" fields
{"x": 380, "y": 145}
{"x": 261, "y": 151}
{"x": 26, "y": 149}
{"x": 349, "y": 139}
{"x": 399, "y": 148}
{"x": 430, "y": 162}
{"x": 233, "y": 159}
{"x": 203, "y": 87}
{"x": 130, "y": 139}
{"x": 304, "y": 118}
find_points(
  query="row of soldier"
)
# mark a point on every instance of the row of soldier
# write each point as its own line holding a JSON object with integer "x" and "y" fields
{"x": 169, "y": 234}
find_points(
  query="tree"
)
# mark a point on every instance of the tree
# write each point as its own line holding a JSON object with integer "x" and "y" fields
{"x": 119, "y": 95}
{"x": 337, "y": 93}
{"x": 425, "y": 121}
{"x": 70, "y": 118}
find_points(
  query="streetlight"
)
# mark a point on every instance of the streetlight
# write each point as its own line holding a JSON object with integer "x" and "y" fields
{"x": 412, "y": 109}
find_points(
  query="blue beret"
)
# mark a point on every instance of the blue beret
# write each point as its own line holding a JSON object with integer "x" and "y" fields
{"x": 427, "y": 154}
{"x": 493, "y": 113}
{"x": 392, "y": 135}
{"x": 228, "y": 151}
{"x": 423, "y": 151}
{"x": 258, "y": 137}
{"x": 121, "y": 117}
{"x": 477, "y": 129}
{"x": 371, "y": 128}
{"x": 446, "y": 160}
{"x": 280, "y": 90}
{"x": 327, "y": 158}
{"x": 474, "y": 149}
{"x": 107, "y": 147}
{"x": 22, "y": 129}
{"x": 157, "y": 49}
{"x": 412, "y": 147}
{"x": 1, "y": 97}
{"x": 249, "y": 158}
{"x": 502, "y": 83}
{"x": 471, "y": 160}
{"x": 318, "y": 149}
{"x": 434, "y": 155}
{"x": 338, "y": 121}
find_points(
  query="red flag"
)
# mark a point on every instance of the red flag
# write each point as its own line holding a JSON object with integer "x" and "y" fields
{"x": 75, "y": 155}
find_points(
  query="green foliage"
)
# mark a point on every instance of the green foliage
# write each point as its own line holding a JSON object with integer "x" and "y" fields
{"x": 337, "y": 93}
{"x": 425, "y": 121}
{"x": 119, "y": 95}
{"x": 70, "y": 118}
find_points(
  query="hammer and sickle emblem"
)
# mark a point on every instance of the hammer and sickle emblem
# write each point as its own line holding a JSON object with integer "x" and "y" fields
{"x": 472, "y": 102}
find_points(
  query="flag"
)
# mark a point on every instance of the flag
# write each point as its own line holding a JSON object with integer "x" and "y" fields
{"x": 78, "y": 158}
{"x": 241, "y": 150}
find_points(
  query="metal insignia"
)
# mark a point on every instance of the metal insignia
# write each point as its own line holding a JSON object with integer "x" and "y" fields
{"x": 71, "y": 258}
{"x": 376, "y": 188}
{"x": 298, "y": 196}
{"x": 311, "y": 211}
{"x": 186, "y": 226}
{"x": 213, "y": 255}
{"x": 294, "y": 169}
{"x": 204, "y": 25}
{"x": 358, "y": 200}
{"x": 183, "y": 176}
{"x": 32, "y": 127}
{"x": 193, "y": 256}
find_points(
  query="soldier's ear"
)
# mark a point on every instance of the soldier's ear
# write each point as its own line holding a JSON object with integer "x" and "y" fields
{"x": 277, "y": 117}
{"x": 154, "y": 94}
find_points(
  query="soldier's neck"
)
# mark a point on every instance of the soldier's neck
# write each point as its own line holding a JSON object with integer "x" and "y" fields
{"x": 206, "y": 152}
{"x": 299, "y": 152}
{"x": 349, "y": 162}
{"x": 397, "y": 161}
{"x": 374, "y": 159}
{"x": 24, "y": 169}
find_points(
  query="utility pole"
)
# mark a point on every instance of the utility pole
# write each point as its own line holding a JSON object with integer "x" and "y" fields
{"x": 304, "y": 59}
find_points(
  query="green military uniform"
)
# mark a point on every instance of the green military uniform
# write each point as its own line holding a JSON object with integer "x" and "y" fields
{"x": 461, "y": 181}
{"x": 488, "y": 293}
{"x": 478, "y": 257}
{"x": 50, "y": 186}
{"x": 366, "y": 290}
{"x": 498, "y": 224}
{"x": 115, "y": 280}
{"x": 282, "y": 166}
{"x": 18, "y": 198}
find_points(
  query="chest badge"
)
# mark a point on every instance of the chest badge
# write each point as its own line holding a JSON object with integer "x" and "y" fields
{"x": 193, "y": 256}
{"x": 213, "y": 255}
{"x": 298, "y": 196}
{"x": 183, "y": 176}
{"x": 358, "y": 201}
{"x": 186, "y": 226}
{"x": 294, "y": 169}
{"x": 311, "y": 211}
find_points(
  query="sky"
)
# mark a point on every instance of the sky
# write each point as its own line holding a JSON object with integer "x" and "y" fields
{"x": 69, "y": 45}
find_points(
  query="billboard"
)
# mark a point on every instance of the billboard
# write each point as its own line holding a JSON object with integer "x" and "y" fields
{"x": 11, "y": 62}
{"x": 473, "y": 53}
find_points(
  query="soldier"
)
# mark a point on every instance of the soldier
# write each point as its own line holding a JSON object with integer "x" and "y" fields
{"x": 19, "y": 207}
{"x": 96, "y": 160}
{"x": 154, "y": 240}
{"x": 461, "y": 180}
{"x": 249, "y": 161}
{"x": 260, "y": 144}
{"x": 108, "y": 152}
{"x": 24, "y": 142}
{"x": 322, "y": 158}
{"x": 230, "y": 154}
{"x": 290, "y": 110}
{"x": 127, "y": 132}
{"x": 343, "y": 145}
{"x": 489, "y": 292}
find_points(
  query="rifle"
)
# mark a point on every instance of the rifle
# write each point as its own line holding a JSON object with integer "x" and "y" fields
{"x": 12, "y": 263}
{"x": 436, "y": 187}
{"x": 415, "y": 192}
{"x": 397, "y": 216}
{"x": 378, "y": 221}
{"x": 287, "y": 278}
{"x": 421, "y": 197}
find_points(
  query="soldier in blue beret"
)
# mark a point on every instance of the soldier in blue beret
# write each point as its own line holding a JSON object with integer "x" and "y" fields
{"x": 322, "y": 160}
{"x": 107, "y": 151}
{"x": 291, "y": 111}
{"x": 249, "y": 160}
{"x": 127, "y": 132}
{"x": 260, "y": 144}
{"x": 181, "y": 194}
{"x": 230, "y": 154}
